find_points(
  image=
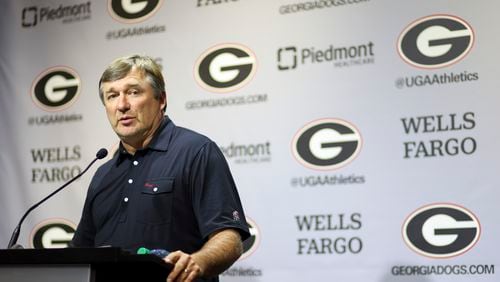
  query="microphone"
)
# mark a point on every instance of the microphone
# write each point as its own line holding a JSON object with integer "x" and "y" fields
{"x": 102, "y": 153}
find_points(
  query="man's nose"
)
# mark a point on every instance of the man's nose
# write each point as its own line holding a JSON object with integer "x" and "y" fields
{"x": 123, "y": 104}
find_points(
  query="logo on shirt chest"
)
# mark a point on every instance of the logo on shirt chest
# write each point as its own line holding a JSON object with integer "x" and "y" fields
{"x": 156, "y": 186}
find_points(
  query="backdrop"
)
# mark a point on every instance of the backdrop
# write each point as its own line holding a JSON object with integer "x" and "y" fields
{"x": 361, "y": 133}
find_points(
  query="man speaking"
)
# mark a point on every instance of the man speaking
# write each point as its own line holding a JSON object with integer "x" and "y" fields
{"x": 167, "y": 187}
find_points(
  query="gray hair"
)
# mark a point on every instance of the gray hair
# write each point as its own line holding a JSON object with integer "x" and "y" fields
{"x": 120, "y": 67}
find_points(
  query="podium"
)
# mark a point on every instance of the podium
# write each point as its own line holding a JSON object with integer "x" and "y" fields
{"x": 80, "y": 265}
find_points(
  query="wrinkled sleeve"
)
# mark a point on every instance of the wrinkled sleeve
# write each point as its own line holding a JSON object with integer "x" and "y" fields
{"x": 215, "y": 198}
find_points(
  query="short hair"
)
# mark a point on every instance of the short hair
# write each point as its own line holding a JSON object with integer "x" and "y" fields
{"x": 120, "y": 67}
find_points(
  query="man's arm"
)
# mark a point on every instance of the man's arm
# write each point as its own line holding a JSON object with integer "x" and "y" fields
{"x": 221, "y": 250}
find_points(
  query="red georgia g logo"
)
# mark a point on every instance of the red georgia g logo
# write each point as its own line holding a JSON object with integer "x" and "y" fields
{"x": 435, "y": 41}
{"x": 225, "y": 68}
{"x": 56, "y": 89}
{"x": 441, "y": 230}
{"x": 326, "y": 144}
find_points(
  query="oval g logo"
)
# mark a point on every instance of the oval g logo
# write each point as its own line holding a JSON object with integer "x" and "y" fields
{"x": 56, "y": 89}
{"x": 435, "y": 41}
{"x": 326, "y": 144}
{"x": 225, "y": 68}
{"x": 441, "y": 230}
{"x": 53, "y": 233}
{"x": 132, "y": 11}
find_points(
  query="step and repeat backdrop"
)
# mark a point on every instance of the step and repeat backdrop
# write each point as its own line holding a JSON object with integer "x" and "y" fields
{"x": 362, "y": 134}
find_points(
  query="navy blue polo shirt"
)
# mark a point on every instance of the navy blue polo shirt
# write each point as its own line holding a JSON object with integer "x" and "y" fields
{"x": 171, "y": 195}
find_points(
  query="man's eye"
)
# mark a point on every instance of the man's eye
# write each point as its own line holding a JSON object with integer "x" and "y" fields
{"x": 112, "y": 96}
{"x": 133, "y": 92}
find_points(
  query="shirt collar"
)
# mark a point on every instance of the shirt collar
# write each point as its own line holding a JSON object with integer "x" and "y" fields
{"x": 160, "y": 141}
{"x": 162, "y": 137}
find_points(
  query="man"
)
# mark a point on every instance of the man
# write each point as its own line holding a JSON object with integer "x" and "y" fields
{"x": 167, "y": 187}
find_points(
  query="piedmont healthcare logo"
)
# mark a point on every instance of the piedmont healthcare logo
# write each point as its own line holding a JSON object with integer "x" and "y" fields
{"x": 56, "y": 89}
{"x": 52, "y": 233}
{"x": 247, "y": 153}
{"x": 435, "y": 41}
{"x": 287, "y": 58}
{"x": 30, "y": 16}
{"x": 326, "y": 144}
{"x": 133, "y": 11}
{"x": 441, "y": 230}
{"x": 225, "y": 68}
{"x": 34, "y": 15}
{"x": 290, "y": 57}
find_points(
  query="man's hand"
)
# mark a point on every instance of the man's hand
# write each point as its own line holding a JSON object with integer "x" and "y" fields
{"x": 185, "y": 267}
{"x": 221, "y": 250}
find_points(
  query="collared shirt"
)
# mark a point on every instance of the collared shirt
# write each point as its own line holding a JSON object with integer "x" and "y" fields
{"x": 171, "y": 195}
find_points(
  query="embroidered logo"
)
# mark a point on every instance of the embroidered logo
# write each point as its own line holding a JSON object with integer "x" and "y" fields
{"x": 236, "y": 216}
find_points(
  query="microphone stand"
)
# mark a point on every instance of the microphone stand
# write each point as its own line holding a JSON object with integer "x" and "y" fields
{"x": 15, "y": 234}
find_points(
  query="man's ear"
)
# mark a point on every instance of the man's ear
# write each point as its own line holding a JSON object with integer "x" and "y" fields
{"x": 163, "y": 101}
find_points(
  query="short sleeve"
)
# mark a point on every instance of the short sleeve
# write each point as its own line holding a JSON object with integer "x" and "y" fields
{"x": 216, "y": 202}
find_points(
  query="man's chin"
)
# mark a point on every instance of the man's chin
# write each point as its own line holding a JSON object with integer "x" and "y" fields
{"x": 127, "y": 134}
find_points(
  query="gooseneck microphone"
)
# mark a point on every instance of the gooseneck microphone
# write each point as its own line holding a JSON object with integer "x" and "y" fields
{"x": 102, "y": 153}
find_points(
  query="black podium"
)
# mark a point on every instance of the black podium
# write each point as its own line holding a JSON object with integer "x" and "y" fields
{"x": 80, "y": 264}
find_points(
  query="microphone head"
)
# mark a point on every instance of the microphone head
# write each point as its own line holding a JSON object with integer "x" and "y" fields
{"x": 102, "y": 153}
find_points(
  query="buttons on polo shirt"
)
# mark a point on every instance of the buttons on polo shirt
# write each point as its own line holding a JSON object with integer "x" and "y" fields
{"x": 130, "y": 181}
{"x": 135, "y": 163}
{"x": 123, "y": 210}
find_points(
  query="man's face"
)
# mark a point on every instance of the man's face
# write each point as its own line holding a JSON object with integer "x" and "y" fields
{"x": 132, "y": 109}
